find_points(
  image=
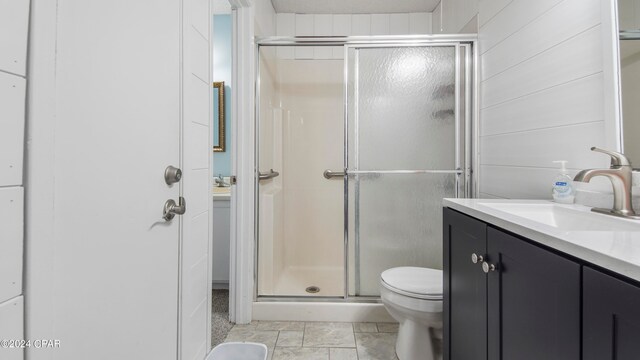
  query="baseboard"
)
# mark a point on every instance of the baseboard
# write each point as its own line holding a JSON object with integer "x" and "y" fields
{"x": 220, "y": 285}
{"x": 306, "y": 311}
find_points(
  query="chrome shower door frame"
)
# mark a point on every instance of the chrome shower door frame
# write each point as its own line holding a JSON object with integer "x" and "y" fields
{"x": 464, "y": 64}
{"x": 466, "y": 145}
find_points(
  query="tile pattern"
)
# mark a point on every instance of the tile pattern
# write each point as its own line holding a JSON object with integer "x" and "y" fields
{"x": 329, "y": 334}
{"x": 365, "y": 327}
{"x": 291, "y": 340}
{"x": 376, "y": 346}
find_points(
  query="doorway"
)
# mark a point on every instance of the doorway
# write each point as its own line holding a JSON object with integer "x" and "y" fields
{"x": 222, "y": 192}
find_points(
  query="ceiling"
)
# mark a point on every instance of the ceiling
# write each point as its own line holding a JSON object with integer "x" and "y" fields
{"x": 353, "y": 6}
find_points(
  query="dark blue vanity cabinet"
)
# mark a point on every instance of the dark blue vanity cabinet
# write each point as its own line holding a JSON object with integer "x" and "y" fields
{"x": 466, "y": 286}
{"x": 611, "y": 321}
{"x": 533, "y": 301}
{"x": 508, "y": 298}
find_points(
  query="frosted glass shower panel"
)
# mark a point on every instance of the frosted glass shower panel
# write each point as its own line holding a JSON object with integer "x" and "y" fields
{"x": 405, "y": 100}
{"x": 402, "y": 157}
{"x": 399, "y": 223}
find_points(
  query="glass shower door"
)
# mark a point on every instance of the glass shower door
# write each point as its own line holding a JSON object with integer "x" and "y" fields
{"x": 405, "y": 136}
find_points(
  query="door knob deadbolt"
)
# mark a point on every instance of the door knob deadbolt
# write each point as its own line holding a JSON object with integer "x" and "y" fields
{"x": 171, "y": 209}
{"x": 172, "y": 175}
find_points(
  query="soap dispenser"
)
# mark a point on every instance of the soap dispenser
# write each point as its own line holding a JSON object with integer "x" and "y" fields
{"x": 563, "y": 190}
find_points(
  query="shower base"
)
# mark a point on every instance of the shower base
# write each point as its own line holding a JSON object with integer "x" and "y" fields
{"x": 295, "y": 280}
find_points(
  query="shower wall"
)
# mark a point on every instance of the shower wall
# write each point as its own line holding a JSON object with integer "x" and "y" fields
{"x": 312, "y": 93}
{"x": 301, "y": 135}
{"x": 271, "y": 210}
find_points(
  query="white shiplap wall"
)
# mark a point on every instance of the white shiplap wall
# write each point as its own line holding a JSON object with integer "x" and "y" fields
{"x": 12, "y": 326}
{"x": 456, "y": 16}
{"x": 542, "y": 90}
{"x": 288, "y": 24}
{"x": 14, "y": 24}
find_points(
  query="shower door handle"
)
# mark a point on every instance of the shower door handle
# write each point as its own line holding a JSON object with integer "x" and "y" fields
{"x": 328, "y": 174}
{"x": 266, "y": 176}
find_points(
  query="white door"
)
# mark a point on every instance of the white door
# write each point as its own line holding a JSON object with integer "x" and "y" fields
{"x": 108, "y": 285}
{"x": 197, "y": 153}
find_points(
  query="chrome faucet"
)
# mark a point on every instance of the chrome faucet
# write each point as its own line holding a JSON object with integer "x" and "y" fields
{"x": 220, "y": 181}
{"x": 620, "y": 174}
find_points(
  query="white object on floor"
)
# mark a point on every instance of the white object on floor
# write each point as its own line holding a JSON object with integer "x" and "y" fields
{"x": 239, "y": 350}
{"x": 413, "y": 296}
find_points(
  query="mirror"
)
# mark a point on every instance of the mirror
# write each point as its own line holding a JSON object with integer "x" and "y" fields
{"x": 219, "y": 139}
{"x": 629, "y": 26}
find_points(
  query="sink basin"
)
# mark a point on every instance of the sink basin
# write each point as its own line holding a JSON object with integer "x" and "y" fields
{"x": 565, "y": 217}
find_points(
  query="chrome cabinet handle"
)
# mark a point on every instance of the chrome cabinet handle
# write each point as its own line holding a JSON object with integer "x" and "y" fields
{"x": 171, "y": 209}
{"x": 475, "y": 258}
{"x": 328, "y": 174}
{"x": 266, "y": 176}
{"x": 487, "y": 268}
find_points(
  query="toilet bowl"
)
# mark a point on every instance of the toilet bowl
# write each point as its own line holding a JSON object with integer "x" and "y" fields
{"x": 413, "y": 296}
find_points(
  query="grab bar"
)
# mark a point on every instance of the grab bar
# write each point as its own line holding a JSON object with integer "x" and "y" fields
{"x": 402, "y": 172}
{"x": 328, "y": 174}
{"x": 266, "y": 176}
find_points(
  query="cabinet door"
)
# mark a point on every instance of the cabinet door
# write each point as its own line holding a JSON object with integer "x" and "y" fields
{"x": 465, "y": 288}
{"x": 534, "y": 301}
{"x": 611, "y": 318}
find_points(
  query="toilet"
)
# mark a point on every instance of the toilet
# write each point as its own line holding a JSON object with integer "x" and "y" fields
{"x": 413, "y": 296}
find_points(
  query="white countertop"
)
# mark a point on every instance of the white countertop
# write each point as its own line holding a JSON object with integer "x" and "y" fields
{"x": 616, "y": 250}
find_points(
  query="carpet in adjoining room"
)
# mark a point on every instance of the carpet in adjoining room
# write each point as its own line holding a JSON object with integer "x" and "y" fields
{"x": 220, "y": 324}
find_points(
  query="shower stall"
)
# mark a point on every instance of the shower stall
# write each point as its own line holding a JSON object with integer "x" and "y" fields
{"x": 358, "y": 141}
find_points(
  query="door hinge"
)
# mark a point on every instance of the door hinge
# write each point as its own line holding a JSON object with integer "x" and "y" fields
{"x": 233, "y": 180}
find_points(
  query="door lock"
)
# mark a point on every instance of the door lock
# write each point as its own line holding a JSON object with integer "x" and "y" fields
{"x": 172, "y": 175}
{"x": 171, "y": 209}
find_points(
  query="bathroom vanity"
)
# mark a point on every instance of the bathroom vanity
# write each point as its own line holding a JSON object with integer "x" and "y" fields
{"x": 221, "y": 236}
{"x": 537, "y": 280}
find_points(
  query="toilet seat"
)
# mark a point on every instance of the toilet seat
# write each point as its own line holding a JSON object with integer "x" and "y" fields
{"x": 415, "y": 282}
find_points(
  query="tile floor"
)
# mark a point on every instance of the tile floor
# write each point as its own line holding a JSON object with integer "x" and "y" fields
{"x": 288, "y": 340}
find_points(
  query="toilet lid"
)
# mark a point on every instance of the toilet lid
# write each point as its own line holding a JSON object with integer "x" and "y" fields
{"x": 418, "y": 282}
